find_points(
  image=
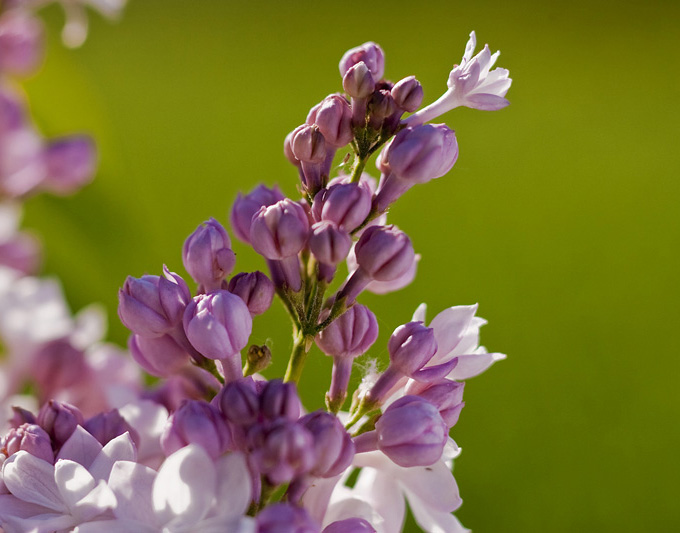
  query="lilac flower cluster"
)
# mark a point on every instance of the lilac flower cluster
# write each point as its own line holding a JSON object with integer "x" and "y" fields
{"x": 215, "y": 446}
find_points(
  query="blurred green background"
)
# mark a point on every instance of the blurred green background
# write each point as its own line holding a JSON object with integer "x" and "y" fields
{"x": 560, "y": 217}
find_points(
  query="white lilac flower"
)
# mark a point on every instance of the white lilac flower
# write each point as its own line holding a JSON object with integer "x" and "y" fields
{"x": 45, "y": 497}
{"x": 471, "y": 84}
{"x": 189, "y": 494}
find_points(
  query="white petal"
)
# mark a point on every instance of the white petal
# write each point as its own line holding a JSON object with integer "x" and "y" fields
{"x": 437, "y": 521}
{"x": 119, "y": 449}
{"x": 80, "y": 447}
{"x": 32, "y": 480}
{"x": 185, "y": 487}
{"x": 73, "y": 480}
{"x": 470, "y": 47}
{"x": 434, "y": 485}
{"x": 419, "y": 314}
{"x": 382, "y": 491}
{"x": 132, "y": 484}
{"x": 10, "y": 505}
{"x": 474, "y": 364}
{"x": 100, "y": 500}
{"x": 90, "y": 326}
{"x": 316, "y": 497}
{"x": 148, "y": 419}
{"x": 47, "y": 523}
{"x": 449, "y": 327}
{"x": 234, "y": 490}
{"x": 114, "y": 526}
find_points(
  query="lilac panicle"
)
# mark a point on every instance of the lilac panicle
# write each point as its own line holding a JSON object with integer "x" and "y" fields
{"x": 30, "y": 438}
{"x": 415, "y": 155}
{"x": 152, "y": 306}
{"x": 107, "y": 426}
{"x": 246, "y": 206}
{"x": 207, "y": 255}
{"x": 59, "y": 420}
{"x": 369, "y": 53}
{"x": 346, "y": 204}
{"x": 196, "y": 422}
{"x": 159, "y": 356}
{"x": 255, "y": 289}
{"x": 218, "y": 326}
{"x": 71, "y": 164}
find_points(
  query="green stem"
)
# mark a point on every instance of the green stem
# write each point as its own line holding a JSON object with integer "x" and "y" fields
{"x": 358, "y": 169}
{"x": 209, "y": 365}
{"x": 297, "y": 359}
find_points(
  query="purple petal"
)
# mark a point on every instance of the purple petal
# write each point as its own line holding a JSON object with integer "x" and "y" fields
{"x": 81, "y": 447}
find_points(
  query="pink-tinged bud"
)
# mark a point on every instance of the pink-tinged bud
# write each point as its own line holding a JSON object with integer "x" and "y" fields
{"x": 58, "y": 365}
{"x": 347, "y": 337}
{"x": 350, "y": 525}
{"x": 384, "y": 252}
{"x": 255, "y": 289}
{"x": 22, "y": 253}
{"x": 420, "y": 154}
{"x": 207, "y": 255}
{"x": 411, "y": 432}
{"x": 369, "y": 53}
{"x": 329, "y": 243}
{"x": 408, "y": 94}
{"x": 107, "y": 426}
{"x": 29, "y": 438}
{"x": 246, "y": 206}
{"x": 380, "y": 106}
{"x": 308, "y": 144}
{"x": 152, "y": 306}
{"x": 280, "y": 400}
{"x": 334, "y": 446}
{"x": 358, "y": 82}
{"x": 22, "y": 165}
{"x": 21, "y": 416}
{"x": 282, "y": 451}
{"x": 280, "y": 230}
{"x": 346, "y": 204}
{"x": 239, "y": 402}
{"x": 288, "y": 148}
{"x": 285, "y": 518}
{"x": 21, "y": 43}
{"x": 159, "y": 356}
{"x": 334, "y": 120}
{"x": 445, "y": 395}
{"x": 71, "y": 164}
{"x": 351, "y": 334}
{"x": 411, "y": 347}
{"x": 59, "y": 420}
{"x": 196, "y": 422}
{"x": 12, "y": 114}
{"x": 218, "y": 325}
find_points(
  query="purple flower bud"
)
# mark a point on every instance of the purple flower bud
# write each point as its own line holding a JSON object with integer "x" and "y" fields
{"x": 308, "y": 144}
{"x": 349, "y": 335}
{"x": 350, "y": 525}
{"x": 21, "y": 252}
{"x": 280, "y": 400}
{"x": 159, "y": 356}
{"x": 255, "y": 289}
{"x": 12, "y": 105}
{"x": 285, "y": 518}
{"x": 408, "y": 94}
{"x": 59, "y": 420}
{"x": 196, "y": 422}
{"x": 207, "y": 255}
{"x": 21, "y": 43}
{"x": 334, "y": 446}
{"x": 370, "y": 53}
{"x": 21, "y": 416}
{"x": 329, "y": 243}
{"x": 58, "y": 365}
{"x": 358, "y": 81}
{"x": 22, "y": 165}
{"x": 218, "y": 325}
{"x": 107, "y": 426}
{"x": 415, "y": 155}
{"x": 239, "y": 402}
{"x": 279, "y": 230}
{"x": 30, "y": 438}
{"x": 152, "y": 306}
{"x": 334, "y": 120}
{"x": 411, "y": 347}
{"x": 288, "y": 148}
{"x": 411, "y": 432}
{"x": 346, "y": 204}
{"x": 446, "y": 395}
{"x": 282, "y": 450}
{"x": 246, "y": 206}
{"x": 384, "y": 252}
{"x": 380, "y": 106}
{"x": 71, "y": 164}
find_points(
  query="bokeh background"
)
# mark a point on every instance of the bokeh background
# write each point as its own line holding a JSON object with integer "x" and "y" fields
{"x": 560, "y": 217}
